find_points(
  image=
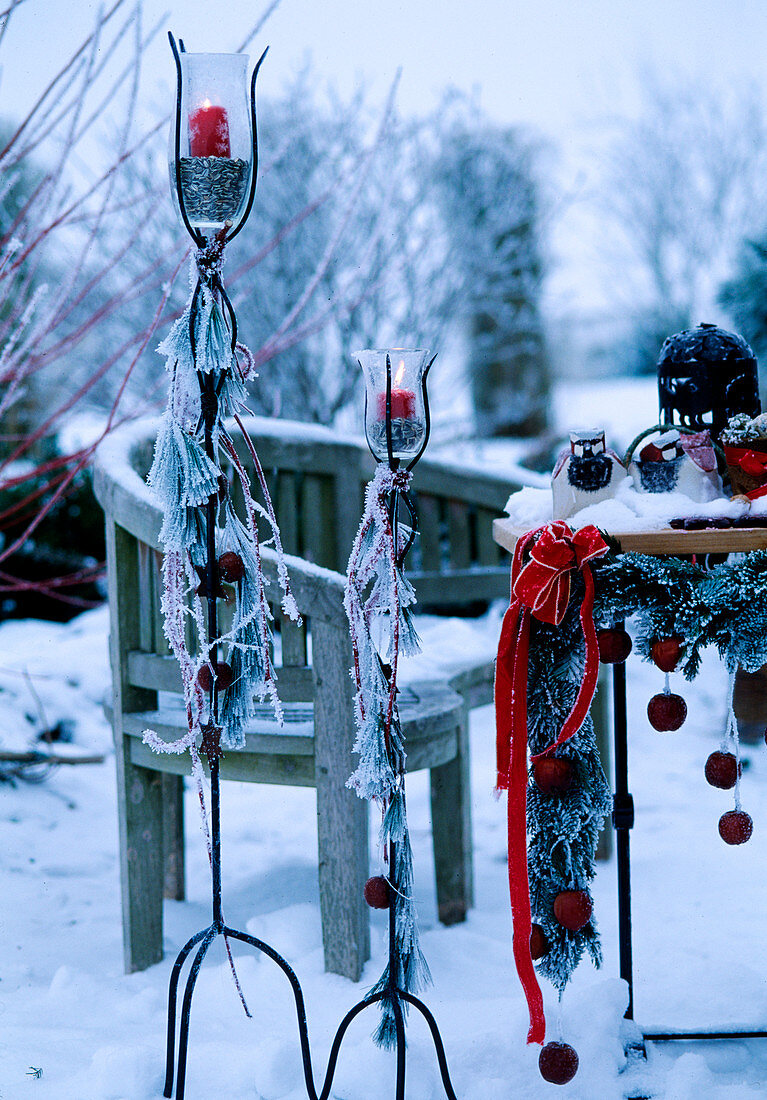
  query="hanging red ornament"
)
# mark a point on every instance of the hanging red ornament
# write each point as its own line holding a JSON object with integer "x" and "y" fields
{"x": 558, "y": 1063}
{"x": 223, "y": 676}
{"x": 377, "y": 892}
{"x": 735, "y": 827}
{"x": 573, "y": 908}
{"x": 614, "y": 646}
{"x": 539, "y": 945}
{"x": 553, "y": 775}
{"x": 666, "y": 652}
{"x": 722, "y": 770}
{"x": 231, "y": 567}
{"x": 666, "y": 711}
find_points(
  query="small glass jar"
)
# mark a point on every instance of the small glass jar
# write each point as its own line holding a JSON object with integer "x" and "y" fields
{"x": 213, "y": 134}
{"x": 396, "y": 406}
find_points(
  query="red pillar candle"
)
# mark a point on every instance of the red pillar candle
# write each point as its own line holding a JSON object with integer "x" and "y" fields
{"x": 402, "y": 405}
{"x": 209, "y": 132}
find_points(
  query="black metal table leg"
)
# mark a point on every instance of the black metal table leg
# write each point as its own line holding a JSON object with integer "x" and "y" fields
{"x": 623, "y": 820}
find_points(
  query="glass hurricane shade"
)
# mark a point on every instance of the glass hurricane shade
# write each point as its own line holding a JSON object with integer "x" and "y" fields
{"x": 215, "y": 161}
{"x": 402, "y": 403}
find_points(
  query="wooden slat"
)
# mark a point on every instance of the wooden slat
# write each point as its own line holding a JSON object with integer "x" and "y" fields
{"x": 286, "y": 508}
{"x": 159, "y": 641}
{"x": 342, "y": 817}
{"x": 145, "y": 596}
{"x": 278, "y": 741}
{"x": 458, "y": 530}
{"x": 318, "y": 540}
{"x": 248, "y": 767}
{"x": 451, "y": 830}
{"x": 430, "y": 530}
{"x": 666, "y": 541}
{"x": 488, "y": 552}
{"x": 174, "y": 879}
{"x": 293, "y": 640}
{"x": 447, "y": 589}
{"x": 486, "y": 489}
{"x": 139, "y": 789}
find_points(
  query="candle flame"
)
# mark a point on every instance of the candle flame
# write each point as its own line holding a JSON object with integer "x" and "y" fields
{"x": 206, "y": 104}
{"x": 400, "y": 372}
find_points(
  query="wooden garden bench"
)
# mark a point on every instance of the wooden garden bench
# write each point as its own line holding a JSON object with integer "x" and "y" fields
{"x": 317, "y": 482}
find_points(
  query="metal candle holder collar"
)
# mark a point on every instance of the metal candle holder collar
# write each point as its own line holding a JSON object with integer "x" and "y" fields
{"x": 397, "y": 425}
{"x": 397, "y": 420}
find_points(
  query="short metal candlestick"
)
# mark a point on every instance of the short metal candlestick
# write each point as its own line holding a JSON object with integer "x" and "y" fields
{"x": 397, "y": 438}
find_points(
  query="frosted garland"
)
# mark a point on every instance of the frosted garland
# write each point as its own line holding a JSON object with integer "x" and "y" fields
{"x": 183, "y": 478}
{"x": 385, "y": 614}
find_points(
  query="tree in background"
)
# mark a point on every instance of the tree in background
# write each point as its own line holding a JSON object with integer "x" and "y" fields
{"x": 744, "y": 295}
{"x": 84, "y": 341}
{"x": 680, "y": 183}
{"x": 485, "y": 179}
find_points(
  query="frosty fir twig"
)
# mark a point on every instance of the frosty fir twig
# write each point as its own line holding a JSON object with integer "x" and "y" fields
{"x": 385, "y": 611}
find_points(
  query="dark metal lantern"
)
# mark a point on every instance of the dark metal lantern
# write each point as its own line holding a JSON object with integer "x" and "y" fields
{"x": 705, "y": 376}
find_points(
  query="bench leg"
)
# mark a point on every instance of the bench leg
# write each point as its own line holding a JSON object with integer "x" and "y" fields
{"x": 342, "y": 836}
{"x": 140, "y": 807}
{"x": 451, "y": 833}
{"x": 174, "y": 879}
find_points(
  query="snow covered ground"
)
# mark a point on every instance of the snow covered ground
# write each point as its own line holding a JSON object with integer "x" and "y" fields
{"x": 67, "y": 1008}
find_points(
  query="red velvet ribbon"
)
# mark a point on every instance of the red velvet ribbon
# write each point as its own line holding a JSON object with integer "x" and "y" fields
{"x": 539, "y": 587}
{"x": 753, "y": 463}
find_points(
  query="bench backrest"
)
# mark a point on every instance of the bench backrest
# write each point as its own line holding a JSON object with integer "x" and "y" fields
{"x": 317, "y": 483}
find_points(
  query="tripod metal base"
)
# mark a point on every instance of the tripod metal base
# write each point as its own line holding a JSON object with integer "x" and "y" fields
{"x": 205, "y": 938}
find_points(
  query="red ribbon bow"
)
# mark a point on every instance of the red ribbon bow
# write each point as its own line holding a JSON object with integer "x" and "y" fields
{"x": 540, "y": 587}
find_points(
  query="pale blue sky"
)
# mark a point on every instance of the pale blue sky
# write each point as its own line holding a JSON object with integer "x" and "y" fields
{"x": 551, "y": 62}
{"x": 557, "y": 65}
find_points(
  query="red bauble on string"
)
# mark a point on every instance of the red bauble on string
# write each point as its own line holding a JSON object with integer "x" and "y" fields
{"x": 223, "y": 676}
{"x": 666, "y": 652}
{"x": 735, "y": 827}
{"x": 231, "y": 567}
{"x": 553, "y": 775}
{"x": 539, "y": 945}
{"x": 666, "y": 712}
{"x": 377, "y": 892}
{"x": 558, "y": 1063}
{"x": 722, "y": 770}
{"x": 614, "y": 646}
{"x": 572, "y": 908}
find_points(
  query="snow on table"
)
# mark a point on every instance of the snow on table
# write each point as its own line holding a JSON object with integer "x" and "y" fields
{"x": 66, "y": 1005}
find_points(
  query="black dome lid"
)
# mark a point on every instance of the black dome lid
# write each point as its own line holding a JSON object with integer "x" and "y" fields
{"x": 705, "y": 343}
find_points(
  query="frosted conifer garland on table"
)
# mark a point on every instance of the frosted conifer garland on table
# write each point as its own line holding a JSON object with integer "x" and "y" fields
{"x": 184, "y": 478}
{"x": 667, "y": 597}
{"x": 378, "y": 600}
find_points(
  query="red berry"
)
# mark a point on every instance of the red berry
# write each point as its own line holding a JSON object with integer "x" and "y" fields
{"x": 558, "y": 1063}
{"x": 539, "y": 945}
{"x": 223, "y": 676}
{"x": 722, "y": 769}
{"x": 553, "y": 775}
{"x": 573, "y": 908}
{"x": 666, "y": 652}
{"x": 735, "y": 827}
{"x": 377, "y": 892}
{"x": 666, "y": 712}
{"x": 614, "y": 646}
{"x": 231, "y": 567}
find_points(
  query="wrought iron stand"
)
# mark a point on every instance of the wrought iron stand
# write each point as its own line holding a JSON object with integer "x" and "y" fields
{"x": 623, "y": 820}
{"x": 209, "y": 257}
